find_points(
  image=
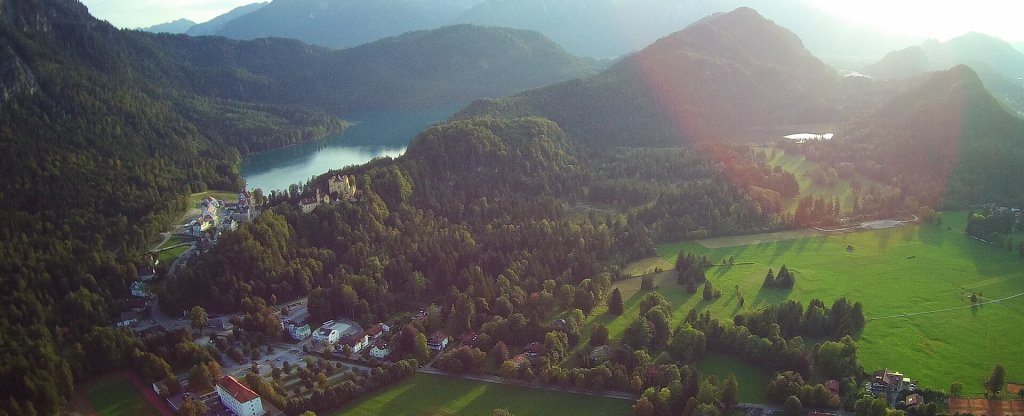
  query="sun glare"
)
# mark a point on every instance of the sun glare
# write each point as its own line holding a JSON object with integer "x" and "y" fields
{"x": 941, "y": 20}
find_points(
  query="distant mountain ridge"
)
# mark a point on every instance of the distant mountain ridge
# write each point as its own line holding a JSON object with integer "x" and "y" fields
{"x": 213, "y": 26}
{"x": 173, "y": 27}
{"x": 593, "y": 28}
{"x": 996, "y": 62}
{"x": 343, "y": 23}
{"x": 723, "y": 74}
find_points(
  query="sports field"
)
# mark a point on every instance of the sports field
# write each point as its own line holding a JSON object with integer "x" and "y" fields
{"x": 425, "y": 394}
{"x": 119, "y": 395}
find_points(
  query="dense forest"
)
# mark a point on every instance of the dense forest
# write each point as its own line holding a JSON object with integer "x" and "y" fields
{"x": 106, "y": 132}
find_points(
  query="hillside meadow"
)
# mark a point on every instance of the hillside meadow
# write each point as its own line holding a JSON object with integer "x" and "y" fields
{"x": 927, "y": 270}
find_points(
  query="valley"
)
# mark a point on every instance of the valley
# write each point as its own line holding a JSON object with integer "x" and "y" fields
{"x": 471, "y": 219}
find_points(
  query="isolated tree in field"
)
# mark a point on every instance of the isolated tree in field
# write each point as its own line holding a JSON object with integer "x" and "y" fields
{"x": 996, "y": 379}
{"x": 421, "y": 352}
{"x": 956, "y": 389}
{"x": 197, "y": 317}
{"x": 792, "y": 406}
{"x": 599, "y": 336}
{"x": 615, "y": 304}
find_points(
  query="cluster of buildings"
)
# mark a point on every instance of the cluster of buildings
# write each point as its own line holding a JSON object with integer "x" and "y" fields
{"x": 219, "y": 215}
{"x": 339, "y": 188}
{"x": 342, "y": 334}
{"x": 886, "y": 381}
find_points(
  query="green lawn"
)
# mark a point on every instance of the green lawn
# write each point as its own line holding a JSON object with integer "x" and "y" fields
{"x": 917, "y": 268}
{"x": 119, "y": 397}
{"x": 228, "y": 196}
{"x": 425, "y": 394}
{"x": 753, "y": 380}
{"x": 168, "y": 256}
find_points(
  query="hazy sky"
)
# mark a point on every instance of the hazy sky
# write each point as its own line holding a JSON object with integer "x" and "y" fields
{"x": 144, "y": 13}
{"x": 941, "y": 19}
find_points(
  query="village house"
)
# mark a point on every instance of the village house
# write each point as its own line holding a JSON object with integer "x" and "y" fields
{"x": 380, "y": 349}
{"x": 914, "y": 400}
{"x": 240, "y": 399}
{"x": 308, "y": 204}
{"x": 521, "y": 361}
{"x": 299, "y": 332}
{"x": 127, "y": 319}
{"x": 327, "y": 335}
{"x": 343, "y": 186}
{"x": 140, "y": 290}
{"x": 376, "y": 331}
{"x": 438, "y": 341}
{"x": 357, "y": 341}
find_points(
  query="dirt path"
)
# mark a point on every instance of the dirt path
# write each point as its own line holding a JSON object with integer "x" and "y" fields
{"x": 904, "y": 315}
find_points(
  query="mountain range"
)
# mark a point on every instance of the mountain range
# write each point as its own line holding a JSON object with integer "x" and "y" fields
{"x": 720, "y": 76}
{"x": 997, "y": 62}
{"x": 594, "y": 28}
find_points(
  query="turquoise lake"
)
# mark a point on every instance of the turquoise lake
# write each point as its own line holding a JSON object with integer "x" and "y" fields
{"x": 372, "y": 135}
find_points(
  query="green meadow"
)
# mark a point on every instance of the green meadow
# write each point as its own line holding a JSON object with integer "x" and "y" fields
{"x": 906, "y": 270}
{"x": 426, "y": 394}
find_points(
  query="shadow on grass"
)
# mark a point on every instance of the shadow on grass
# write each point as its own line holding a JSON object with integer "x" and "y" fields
{"x": 770, "y": 295}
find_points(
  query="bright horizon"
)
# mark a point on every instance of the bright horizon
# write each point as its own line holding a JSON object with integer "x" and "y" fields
{"x": 937, "y": 19}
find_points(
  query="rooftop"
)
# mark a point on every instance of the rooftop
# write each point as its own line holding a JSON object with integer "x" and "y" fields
{"x": 237, "y": 390}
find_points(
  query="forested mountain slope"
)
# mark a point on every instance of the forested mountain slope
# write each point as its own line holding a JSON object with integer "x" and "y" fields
{"x": 723, "y": 74}
{"x": 104, "y": 133}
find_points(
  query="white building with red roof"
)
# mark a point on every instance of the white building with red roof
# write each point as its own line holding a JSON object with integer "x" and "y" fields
{"x": 240, "y": 399}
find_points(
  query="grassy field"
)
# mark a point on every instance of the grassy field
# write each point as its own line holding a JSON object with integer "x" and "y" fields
{"x": 193, "y": 201}
{"x": 753, "y": 380}
{"x": 425, "y": 394}
{"x": 911, "y": 269}
{"x": 797, "y": 164}
{"x": 168, "y": 256}
{"x": 116, "y": 396}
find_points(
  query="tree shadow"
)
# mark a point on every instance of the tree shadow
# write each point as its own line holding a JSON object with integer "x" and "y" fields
{"x": 770, "y": 295}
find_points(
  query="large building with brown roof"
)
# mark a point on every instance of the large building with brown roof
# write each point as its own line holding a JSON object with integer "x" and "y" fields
{"x": 240, "y": 399}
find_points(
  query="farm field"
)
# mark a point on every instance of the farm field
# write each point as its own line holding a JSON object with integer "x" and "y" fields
{"x": 905, "y": 270}
{"x": 425, "y": 394}
{"x": 116, "y": 395}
